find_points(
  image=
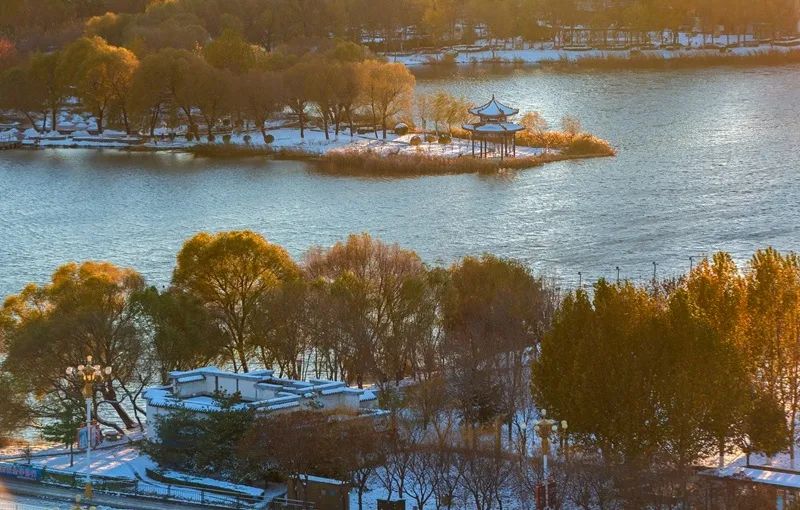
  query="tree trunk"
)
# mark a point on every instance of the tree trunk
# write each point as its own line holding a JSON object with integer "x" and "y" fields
{"x": 32, "y": 121}
{"x": 54, "y": 120}
{"x": 154, "y": 114}
{"x": 242, "y": 359}
{"x": 100, "y": 122}
{"x": 110, "y": 396}
{"x": 125, "y": 121}
{"x": 192, "y": 127}
{"x": 301, "y": 118}
{"x": 350, "y": 121}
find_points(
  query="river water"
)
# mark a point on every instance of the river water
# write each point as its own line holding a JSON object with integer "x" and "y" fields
{"x": 708, "y": 160}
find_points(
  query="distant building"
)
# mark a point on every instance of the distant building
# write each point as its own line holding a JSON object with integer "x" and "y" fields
{"x": 777, "y": 474}
{"x": 194, "y": 390}
{"x": 317, "y": 492}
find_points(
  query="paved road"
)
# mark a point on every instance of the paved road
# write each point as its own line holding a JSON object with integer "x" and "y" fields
{"x": 27, "y": 495}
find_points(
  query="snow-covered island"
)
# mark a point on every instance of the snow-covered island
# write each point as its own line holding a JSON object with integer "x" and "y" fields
{"x": 401, "y": 152}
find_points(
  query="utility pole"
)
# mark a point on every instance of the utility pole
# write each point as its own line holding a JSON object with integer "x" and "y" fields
{"x": 617, "y": 275}
{"x": 655, "y": 265}
{"x": 580, "y": 280}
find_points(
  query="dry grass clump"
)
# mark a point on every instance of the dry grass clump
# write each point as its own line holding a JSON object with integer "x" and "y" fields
{"x": 549, "y": 139}
{"x": 588, "y": 145}
{"x": 412, "y": 165}
{"x": 580, "y": 144}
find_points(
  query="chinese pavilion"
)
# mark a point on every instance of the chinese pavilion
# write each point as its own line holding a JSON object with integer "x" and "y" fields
{"x": 493, "y": 132}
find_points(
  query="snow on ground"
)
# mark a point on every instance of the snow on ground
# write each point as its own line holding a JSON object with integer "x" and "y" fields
{"x": 234, "y": 487}
{"x": 314, "y": 140}
{"x": 125, "y": 460}
{"x": 548, "y": 53}
{"x": 285, "y": 138}
{"x": 402, "y": 145}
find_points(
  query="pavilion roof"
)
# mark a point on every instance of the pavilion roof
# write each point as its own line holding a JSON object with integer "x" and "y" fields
{"x": 492, "y": 127}
{"x": 494, "y": 108}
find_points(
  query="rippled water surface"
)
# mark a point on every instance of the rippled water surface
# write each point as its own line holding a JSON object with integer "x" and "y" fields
{"x": 708, "y": 160}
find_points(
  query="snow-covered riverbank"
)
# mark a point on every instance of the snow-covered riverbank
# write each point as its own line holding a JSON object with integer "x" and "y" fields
{"x": 689, "y": 47}
{"x": 313, "y": 143}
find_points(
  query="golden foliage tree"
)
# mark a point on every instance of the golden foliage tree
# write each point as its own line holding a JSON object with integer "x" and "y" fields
{"x": 86, "y": 309}
{"x": 230, "y": 273}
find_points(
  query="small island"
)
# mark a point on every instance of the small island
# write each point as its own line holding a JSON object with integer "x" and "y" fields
{"x": 463, "y": 139}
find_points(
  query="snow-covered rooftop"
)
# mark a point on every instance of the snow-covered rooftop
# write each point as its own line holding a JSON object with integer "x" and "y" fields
{"x": 494, "y": 127}
{"x": 260, "y": 390}
{"x": 759, "y": 474}
{"x": 494, "y": 108}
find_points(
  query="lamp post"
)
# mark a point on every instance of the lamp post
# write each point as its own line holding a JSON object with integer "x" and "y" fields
{"x": 545, "y": 428}
{"x": 88, "y": 374}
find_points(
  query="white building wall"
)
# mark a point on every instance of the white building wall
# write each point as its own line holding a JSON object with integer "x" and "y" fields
{"x": 189, "y": 389}
{"x": 344, "y": 400}
{"x": 153, "y": 413}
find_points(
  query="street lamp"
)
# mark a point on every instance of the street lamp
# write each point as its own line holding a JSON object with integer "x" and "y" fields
{"x": 545, "y": 428}
{"x": 89, "y": 374}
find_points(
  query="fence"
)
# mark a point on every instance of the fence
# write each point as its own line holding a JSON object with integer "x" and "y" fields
{"x": 285, "y": 503}
{"x": 129, "y": 487}
{"x": 8, "y": 505}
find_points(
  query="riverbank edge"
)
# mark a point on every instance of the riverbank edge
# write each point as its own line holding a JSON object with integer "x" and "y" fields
{"x": 372, "y": 163}
{"x": 625, "y": 60}
{"x": 354, "y": 162}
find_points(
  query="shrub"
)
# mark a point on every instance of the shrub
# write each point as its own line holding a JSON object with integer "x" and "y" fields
{"x": 269, "y": 138}
{"x": 415, "y": 140}
{"x": 211, "y": 138}
{"x": 226, "y": 138}
{"x": 401, "y": 129}
{"x": 551, "y": 139}
{"x": 370, "y": 163}
{"x": 171, "y": 137}
{"x": 247, "y": 139}
{"x": 445, "y": 139}
{"x": 430, "y": 138}
{"x": 189, "y": 136}
{"x": 588, "y": 145}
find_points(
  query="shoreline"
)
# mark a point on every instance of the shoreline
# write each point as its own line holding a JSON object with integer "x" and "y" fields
{"x": 591, "y": 58}
{"x": 362, "y": 156}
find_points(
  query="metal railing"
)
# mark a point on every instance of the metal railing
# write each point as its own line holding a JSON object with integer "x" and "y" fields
{"x": 138, "y": 487}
